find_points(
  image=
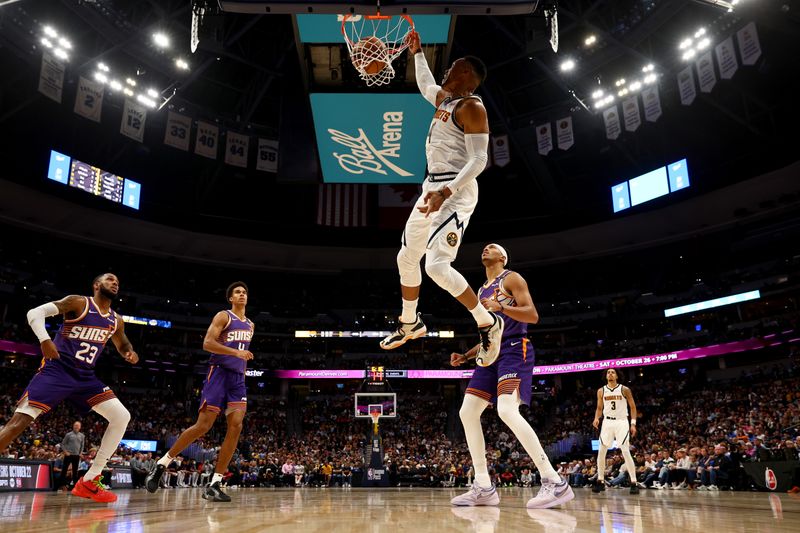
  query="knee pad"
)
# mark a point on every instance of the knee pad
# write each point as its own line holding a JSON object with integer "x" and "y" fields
{"x": 410, "y": 273}
{"x": 446, "y": 277}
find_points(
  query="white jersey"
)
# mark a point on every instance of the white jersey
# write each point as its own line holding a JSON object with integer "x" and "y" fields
{"x": 446, "y": 148}
{"x": 615, "y": 406}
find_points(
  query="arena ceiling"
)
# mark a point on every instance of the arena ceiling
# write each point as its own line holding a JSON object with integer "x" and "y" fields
{"x": 249, "y": 74}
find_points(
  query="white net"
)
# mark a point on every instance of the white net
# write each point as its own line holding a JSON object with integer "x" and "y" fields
{"x": 374, "y": 42}
{"x": 197, "y": 20}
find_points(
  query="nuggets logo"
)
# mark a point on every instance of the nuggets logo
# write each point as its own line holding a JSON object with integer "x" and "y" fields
{"x": 452, "y": 238}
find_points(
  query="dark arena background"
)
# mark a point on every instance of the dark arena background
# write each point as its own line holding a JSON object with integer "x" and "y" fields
{"x": 642, "y": 177}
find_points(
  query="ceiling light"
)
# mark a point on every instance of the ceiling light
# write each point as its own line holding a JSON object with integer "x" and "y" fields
{"x": 115, "y": 85}
{"x": 620, "y": 82}
{"x": 648, "y": 68}
{"x": 703, "y": 44}
{"x": 698, "y": 33}
{"x": 61, "y": 53}
{"x": 103, "y": 67}
{"x": 127, "y": 92}
{"x": 590, "y": 40}
{"x": 567, "y": 65}
{"x": 131, "y": 82}
{"x": 597, "y": 94}
{"x": 145, "y": 100}
{"x": 181, "y": 64}
{"x": 688, "y": 54}
{"x": 65, "y": 44}
{"x": 622, "y": 93}
{"x": 50, "y": 32}
{"x": 650, "y": 78}
{"x": 99, "y": 76}
{"x": 152, "y": 93}
{"x": 46, "y": 42}
{"x": 635, "y": 86}
{"x": 161, "y": 40}
{"x": 686, "y": 43}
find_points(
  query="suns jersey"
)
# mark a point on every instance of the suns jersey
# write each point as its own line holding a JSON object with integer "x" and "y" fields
{"x": 615, "y": 405}
{"x": 81, "y": 340}
{"x": 445, "y": 147}
{"x": 237, "y": 334}
{"x": 494, "y": 291}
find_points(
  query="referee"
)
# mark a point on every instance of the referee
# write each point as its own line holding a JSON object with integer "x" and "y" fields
{"x": 73, "y": 446}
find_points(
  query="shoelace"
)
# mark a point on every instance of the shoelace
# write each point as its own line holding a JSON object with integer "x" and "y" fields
{"x": 99, "y": 484}
{"x": 547, "y": 488}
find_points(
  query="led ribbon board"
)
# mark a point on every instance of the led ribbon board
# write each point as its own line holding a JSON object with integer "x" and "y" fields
{"x": 716, "y": 302}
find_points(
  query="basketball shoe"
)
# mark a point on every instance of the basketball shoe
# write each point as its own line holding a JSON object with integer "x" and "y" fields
{"x": 634, "y": 489}
{"x": 599, "y": 486}
{"x": 551, "y": 494}
{"x": 477, "y": 496}
{"x": 405, "y": 332}
{"x": 94, "y": 490}
{"x": 491, "y": 336}
{"x": 214, "y": 493}
{"x": 153, "y": 479}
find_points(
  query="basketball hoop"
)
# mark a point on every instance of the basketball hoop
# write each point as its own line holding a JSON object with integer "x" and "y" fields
{"x": 374, "y": 42}
{"x": 197, "y": 20}
{"x": 375, "y": 415}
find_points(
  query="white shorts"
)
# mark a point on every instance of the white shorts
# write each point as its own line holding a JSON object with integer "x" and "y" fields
{"x": 615, "y": 430}
{"x": 439, "y": 236}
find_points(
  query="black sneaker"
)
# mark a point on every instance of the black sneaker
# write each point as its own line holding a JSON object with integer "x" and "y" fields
{"x": 214, "y": 493}
{"x": 153, "y": 479}
{"x": 599, "y": 486}
{"x": 491, "y": 337}
{"x": 405, "y": 332}
{"x": 634, "y": 489}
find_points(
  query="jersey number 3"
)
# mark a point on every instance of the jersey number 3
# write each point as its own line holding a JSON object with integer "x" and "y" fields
{"x": 86, "y": 348}
{"x": 613, "y": 405}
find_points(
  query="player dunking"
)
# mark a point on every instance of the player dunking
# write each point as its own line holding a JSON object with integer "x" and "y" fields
{"x": 613, "y": 400}
{"x": 67, "y": 373}
{"x": 508, "y": 383}
{"x": 228, "y": 339}
{"x": 456, "y": 151}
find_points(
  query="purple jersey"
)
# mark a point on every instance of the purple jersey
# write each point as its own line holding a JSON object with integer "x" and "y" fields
{"x": 237, "y": 335}
{"x": 494, "y": 291}
{"x": 81, "y": 340}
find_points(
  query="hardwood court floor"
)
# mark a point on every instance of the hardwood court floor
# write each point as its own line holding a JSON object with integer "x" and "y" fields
{"x": 416, "y": 510}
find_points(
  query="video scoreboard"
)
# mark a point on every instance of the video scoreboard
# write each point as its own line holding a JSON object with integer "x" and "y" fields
{"x": 96, "y": 181}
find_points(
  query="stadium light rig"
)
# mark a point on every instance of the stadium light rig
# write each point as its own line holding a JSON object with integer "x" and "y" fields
{"x": 161, "y": 39}
{"x": 567, "y": 65}
{"x": 590, "y": 40}
{"x": 691, "y": 46}
{"x": 60, "y": 45}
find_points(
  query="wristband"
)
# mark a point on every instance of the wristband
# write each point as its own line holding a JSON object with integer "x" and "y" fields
{"x": 633, "y": 422}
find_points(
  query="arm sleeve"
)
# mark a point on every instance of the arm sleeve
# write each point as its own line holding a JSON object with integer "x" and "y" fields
{"x": 36, "y": 318}
{"x": 477, "y": 152}
{"x": 425, "y": 82}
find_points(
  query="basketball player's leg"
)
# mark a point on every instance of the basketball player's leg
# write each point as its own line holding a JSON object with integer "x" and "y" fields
{"x": 235, "y": 409}
{"x": 623, "y": 436}
{"x": 412, "y": 248}
{"x": 19, "y": 422}
{"x": 480, "y": 392}
{"x": 205, "y": 420}
{"x": 607, "y": 436}
{"x": 235, "y": 418}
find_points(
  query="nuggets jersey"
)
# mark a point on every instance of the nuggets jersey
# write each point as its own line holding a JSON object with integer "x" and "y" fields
{"x": 494, "y": 291}
{"x": 614, "y": 403}
{"x": 81, "y": 340}
{"x": 237, "y": 335}
{"x": 445, "y": 147}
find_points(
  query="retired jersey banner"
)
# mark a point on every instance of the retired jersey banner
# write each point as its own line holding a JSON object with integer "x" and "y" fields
{"x": 371, "y": 138}
{"x": 686, "y": 86}
{"x": 206, "y": 142}
{"x": 134, "y": 116}
{"x": 51, "y": 76}
{"x": 611, "y": 118}
{"x": 500, "y": 154}
{"x": 544, "y": 138}
{"x": 706, "y": 77}
{"x": 179, "y": 129}
{"x": 749, "y": 45}
{"x": 267, "y": 160}
{"x": 565, "y": 137}
{"x": 89, "y": 99}
{"x": 630, "y": 111}
{"x": 651, "y": 102}
{"x": 236, "y": 151}
{"x": 726, "y": 59}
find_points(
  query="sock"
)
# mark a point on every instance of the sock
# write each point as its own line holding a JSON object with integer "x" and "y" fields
{"x": 470, "y": 414}
{"x": 508, "y": 409}
{"x": 166, "y": 460}
{"x": 409, "y": 311}
{"x": 216, "y": 478}
{"x": 118, "y": 418}
{"x": 481, "y": 316}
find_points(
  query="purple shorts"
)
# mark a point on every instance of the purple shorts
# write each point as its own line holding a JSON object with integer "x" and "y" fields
{"x": 512, "y": 371}
{"x": 57, "y": 381}
{"x": 223, "y": 389}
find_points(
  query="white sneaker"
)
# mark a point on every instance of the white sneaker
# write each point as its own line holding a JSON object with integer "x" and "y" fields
{"x": 477, "y": 496}
{"x": 403, "y": 333}
{"x": 551, "y": 495}
{"x": 702, "y": 487}
{"x": 491, "y": 337}
{"x": 713, "y": 487}
{"x": 660, "y": 487}
{"x": 656, "y": 485}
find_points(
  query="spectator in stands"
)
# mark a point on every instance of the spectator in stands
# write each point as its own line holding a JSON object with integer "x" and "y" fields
{"x": 73, "y": 445}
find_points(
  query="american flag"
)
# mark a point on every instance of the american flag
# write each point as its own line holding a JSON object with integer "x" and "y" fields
{"x": 342, "y": 205}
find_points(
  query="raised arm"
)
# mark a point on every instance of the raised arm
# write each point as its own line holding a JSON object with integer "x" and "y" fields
{"x": 524, "y": 311}
{"x": 123, "y": 345}
{"x": 425, "y": 82}
{"x": 599, "y": 411}
{"x": 632, "y": 406}
{"x": 72, "y": 305}
{"x": 211, "y": 344}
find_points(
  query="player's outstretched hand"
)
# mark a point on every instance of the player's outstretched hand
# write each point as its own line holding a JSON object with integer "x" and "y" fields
{"x": 49, "y": 350}
{"x": 413, "y": 43}
{"x": 596, "y": 423}
{"x": 457, "y": 359}
{"x": 433, "y": 202}
{"x": 244, "y": 354}
{"x": 131, "y": 357}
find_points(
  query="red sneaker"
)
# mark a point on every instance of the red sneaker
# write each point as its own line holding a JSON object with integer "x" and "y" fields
{"x": 94, "y": 490}
{"x": 794, "y": 490}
